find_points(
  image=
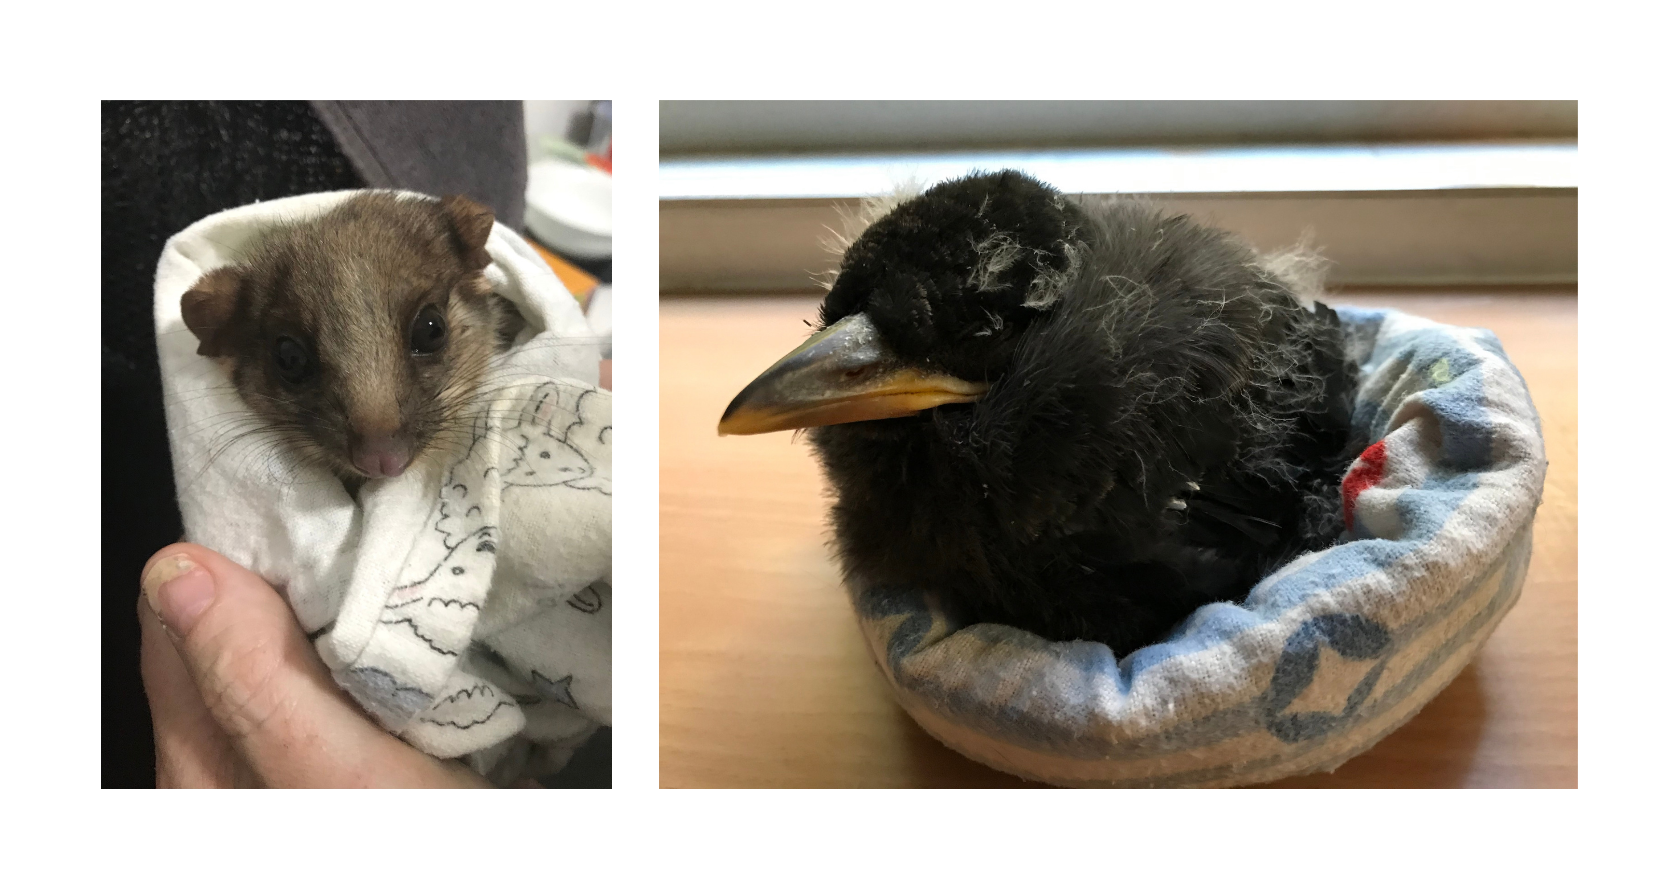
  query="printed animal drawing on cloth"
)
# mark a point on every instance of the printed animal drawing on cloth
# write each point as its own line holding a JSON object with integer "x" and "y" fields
{"x": 536, "y": 451}
{"x": 434, "y": 608}
{"x": 547, "y": 456}
{"x": 528, "y": 440}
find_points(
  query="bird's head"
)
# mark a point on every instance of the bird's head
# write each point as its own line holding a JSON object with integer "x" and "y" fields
{"x": 927, "y": 309}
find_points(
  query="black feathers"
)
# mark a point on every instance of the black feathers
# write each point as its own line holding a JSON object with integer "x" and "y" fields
{"x": 1166, "y": 422}
{"x": 946, "y": 276}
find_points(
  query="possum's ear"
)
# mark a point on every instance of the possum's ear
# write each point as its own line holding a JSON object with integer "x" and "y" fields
{"x": 509, "y": 322}
{"x": 471, "y": 222}
{"x": 207, "y": 309}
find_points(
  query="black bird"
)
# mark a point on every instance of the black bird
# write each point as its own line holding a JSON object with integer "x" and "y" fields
{"x": 1080, "y": 417}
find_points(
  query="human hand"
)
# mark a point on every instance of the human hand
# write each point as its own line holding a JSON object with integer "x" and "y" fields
{"x": 239, "y": 699}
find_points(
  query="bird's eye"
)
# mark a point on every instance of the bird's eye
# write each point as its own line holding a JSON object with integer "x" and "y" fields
{"x": 293, "y": 360}
{"x": 429, "y": 333}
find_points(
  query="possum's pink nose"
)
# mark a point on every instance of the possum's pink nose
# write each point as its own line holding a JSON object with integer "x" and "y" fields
{"x": 381, "y": 455}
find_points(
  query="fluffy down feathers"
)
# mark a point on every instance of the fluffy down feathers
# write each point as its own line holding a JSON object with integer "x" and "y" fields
{"x": 1166, "y": 422}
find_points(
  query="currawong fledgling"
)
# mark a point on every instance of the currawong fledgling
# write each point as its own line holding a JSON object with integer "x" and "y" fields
{"x": 1080, "y": 417}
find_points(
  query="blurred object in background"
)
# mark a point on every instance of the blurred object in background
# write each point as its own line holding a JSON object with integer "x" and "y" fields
{"x": 801, "y": 127}
{"x": 570, "y": 208}
{"x": 569, "y": 196}
{"x": 592, "y": 130}
{"x": 1390, "y": 193}
{"x": 568, "y": 215}
{"x": 436, "y": 148}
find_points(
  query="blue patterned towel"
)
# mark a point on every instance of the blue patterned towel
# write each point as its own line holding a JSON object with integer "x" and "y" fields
{"x": 1325, "y": 657}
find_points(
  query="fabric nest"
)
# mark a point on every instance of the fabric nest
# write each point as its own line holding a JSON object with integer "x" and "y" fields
{"x": 1324, "y": 658}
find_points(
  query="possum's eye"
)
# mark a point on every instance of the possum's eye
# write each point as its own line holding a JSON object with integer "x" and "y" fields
{"x": 292, "y": 360}
{"x": 429, "y": 333}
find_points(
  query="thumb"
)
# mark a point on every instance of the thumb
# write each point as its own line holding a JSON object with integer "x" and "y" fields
{"x": 262, "y": 682}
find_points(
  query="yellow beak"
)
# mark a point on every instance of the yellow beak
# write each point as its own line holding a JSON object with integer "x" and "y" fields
{"x": 843, "y": 374}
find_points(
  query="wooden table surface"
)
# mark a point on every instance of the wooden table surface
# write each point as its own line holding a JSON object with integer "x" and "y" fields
{"x": 764, "y": 677}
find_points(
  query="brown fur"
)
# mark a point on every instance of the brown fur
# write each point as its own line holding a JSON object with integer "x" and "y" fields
{"x": 349, "y": 286}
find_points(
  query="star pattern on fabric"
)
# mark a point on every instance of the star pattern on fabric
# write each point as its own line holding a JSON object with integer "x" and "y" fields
{"x": 554, "y": 690}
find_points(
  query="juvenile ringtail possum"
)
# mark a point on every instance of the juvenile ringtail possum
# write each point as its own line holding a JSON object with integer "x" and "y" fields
{"x": 360, "y": 338}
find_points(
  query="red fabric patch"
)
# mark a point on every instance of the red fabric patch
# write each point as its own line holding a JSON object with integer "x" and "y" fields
{"x": 1365, "y": 472}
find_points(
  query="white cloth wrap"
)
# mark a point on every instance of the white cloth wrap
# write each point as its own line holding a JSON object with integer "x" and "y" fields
{"x": 466, "y": 605}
